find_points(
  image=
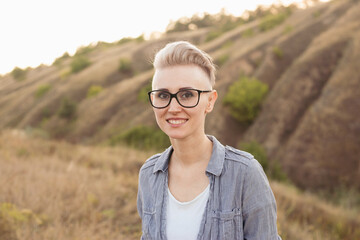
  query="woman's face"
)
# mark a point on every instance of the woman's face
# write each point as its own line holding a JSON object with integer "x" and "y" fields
{"x": 176, "y": 121}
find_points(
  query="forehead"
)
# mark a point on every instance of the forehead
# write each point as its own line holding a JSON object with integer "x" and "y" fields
{"x": 180, "y": 76}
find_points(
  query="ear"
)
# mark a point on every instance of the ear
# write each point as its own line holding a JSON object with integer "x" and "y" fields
{"x": 212, "y": 99}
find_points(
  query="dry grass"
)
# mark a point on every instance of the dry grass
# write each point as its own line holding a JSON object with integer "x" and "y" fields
{"x": 63, "y": 191}
{"x": 55, "y": 190}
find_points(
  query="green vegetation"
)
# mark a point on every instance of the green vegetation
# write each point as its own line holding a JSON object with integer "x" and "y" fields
{"x": 140, "y": 38}
{"x": 125, "y": 66}
{"x": 222, "y": 59}
{"x": 258, "y": 151}
{"x": 79, "y": 63}
{"x": 271, "y": 168}
{"x": 15, "y": 217}
{"x": 248, "y": 33}
{"x": 19, "y": 74}
{"x": 124, "y": 40}
{"x": 212, "y": 35}
{"x": 42, "y": 89}
{"x": 94, "y": 90}
{"x": 142, "y": 137}
{"x": 273, "y": 20}
{"x": 317, "y": 13}
{"x": 81, "y": 51}
{"x": 227, "y": 44}
{"x": 244, "y": 98}
{"x": 58, "y": 61}
{"x": 67, "y": 109}
{"x": 278, "y": 52}
{"x": 288, "y": 29}
{"x": 143, "y": 93}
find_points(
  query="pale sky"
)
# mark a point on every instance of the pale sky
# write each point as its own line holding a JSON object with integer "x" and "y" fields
{"x": 33, "y": 32}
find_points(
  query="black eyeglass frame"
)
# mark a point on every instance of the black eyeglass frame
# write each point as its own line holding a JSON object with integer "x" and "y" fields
{"x": 174, "y": 95}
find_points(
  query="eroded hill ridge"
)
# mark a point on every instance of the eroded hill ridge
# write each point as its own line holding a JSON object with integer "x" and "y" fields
{"x": 309, "y": 121}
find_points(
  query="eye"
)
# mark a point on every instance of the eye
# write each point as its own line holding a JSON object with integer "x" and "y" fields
{"x": 162, "y": 95}
{"x": 187, "y": 94}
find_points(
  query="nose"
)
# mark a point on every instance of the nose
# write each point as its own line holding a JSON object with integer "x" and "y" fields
{"x": 174, "y": 106}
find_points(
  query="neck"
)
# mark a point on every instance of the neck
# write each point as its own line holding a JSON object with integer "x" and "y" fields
{"x": 188, "y": 152}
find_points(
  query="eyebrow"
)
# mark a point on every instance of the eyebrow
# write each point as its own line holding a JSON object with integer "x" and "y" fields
{"x": 184, "y": 88}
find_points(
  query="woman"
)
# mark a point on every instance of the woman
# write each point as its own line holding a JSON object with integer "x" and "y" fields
{"x": 198, "y": 188}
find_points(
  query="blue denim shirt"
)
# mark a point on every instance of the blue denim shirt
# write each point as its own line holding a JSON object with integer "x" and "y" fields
{"x": 241, "y": 204}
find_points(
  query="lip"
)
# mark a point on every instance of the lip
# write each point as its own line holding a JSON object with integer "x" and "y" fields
{"x": 176, "y": 122}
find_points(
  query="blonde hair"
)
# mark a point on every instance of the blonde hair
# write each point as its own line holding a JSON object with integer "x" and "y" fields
{"x": 185, "y": 53}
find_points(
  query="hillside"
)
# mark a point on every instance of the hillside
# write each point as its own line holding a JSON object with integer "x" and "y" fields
{"x": 309, "y": 121}
{"x": 57, "y": 190}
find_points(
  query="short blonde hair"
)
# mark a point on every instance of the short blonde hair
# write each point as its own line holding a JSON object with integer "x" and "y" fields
{"x": 185, "y": 53}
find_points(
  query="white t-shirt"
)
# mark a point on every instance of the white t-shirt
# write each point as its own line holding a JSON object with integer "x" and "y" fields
{"x": 184, "y": 218}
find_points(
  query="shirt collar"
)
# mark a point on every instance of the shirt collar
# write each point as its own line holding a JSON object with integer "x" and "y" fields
{"x": 214, "y": 167}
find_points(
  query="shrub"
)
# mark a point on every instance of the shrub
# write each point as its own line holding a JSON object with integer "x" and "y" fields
{"x": 278, "y": 52}
{"x": 42, "y": 89}
{"x": 18, "y": 73}
{"x": 142, "y": 137}
{"x": 58, "y": 61}
{"x": 79, "y": 63}
{"x": 248, "y": 33}
{"x": 143, "y": 93}
{"x": 273, "y": 20}
{"x": 212, "y": 35}
{"x": 94, "y": 90}
{"x": 227, "y": 44}
{"x": 125, "y": 66}
{"x": 84, "y": 50}
{"x": 140, "y": 38}
{"x": 124, "y": 40}
{"x": 272, "y": 168}
{"x": 258, "y": 151}
{"x": 67, "y": 109}
{"x": 288, "y": 29}
{"x": 244, "y": 99}
{"x": 222, "y": 59}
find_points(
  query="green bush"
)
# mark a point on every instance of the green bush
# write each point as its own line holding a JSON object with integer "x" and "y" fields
{"x": 84, "y": 50}
{"x": 42, "y": 89}
{"x": 276, "y": 172}
{"x": 58, "y": 61}
{"x": 67, "y": 109}
{"x": 273, "y": 20}
{"x": 288, "y": 29}
{"x": 272, "y": 168}
{"x": 244, "y": 99}
{"x": 143, "y": 93}
{"x": 93, "y": 91}
{"x": 18, "y": 74}
{"x": 278, "y": 52}
{"x": 258, "y": 151}
{"x": 79, "y": 63}
{"x": 125, "y": 66}
{"x": 248, "y": 33}
{"x": 212, "y": 35}
{"x": 140, "y": 38}
{"x": 124, "y": 40}
{"x": 222, "y": 59}
{"x": 142, "y": 137}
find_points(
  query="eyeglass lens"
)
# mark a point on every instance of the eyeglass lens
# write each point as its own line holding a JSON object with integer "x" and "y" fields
{"x": 186, "y": 98}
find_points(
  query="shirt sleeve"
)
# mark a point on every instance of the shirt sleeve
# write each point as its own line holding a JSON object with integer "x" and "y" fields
{"x": 259, "y": 206}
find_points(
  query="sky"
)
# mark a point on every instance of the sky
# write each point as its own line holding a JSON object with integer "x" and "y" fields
{"x": 34, "y": 32}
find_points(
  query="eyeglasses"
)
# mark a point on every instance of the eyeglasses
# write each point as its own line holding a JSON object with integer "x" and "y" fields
{"x": 187, "y": 98}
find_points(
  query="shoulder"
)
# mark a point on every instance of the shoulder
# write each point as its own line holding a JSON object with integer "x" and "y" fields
{"x": 150, "y": 162}
{"x": 239, "y": 156}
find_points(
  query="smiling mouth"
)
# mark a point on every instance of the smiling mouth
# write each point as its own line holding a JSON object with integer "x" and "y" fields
{"x": 176, "y": 121}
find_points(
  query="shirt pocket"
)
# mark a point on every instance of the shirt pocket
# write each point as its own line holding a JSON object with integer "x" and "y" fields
{"x": 148, "y": 225}
{"x": 227, "y": 224}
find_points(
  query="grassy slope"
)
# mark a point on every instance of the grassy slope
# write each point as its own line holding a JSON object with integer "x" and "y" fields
{"x": 63, "y": 191}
